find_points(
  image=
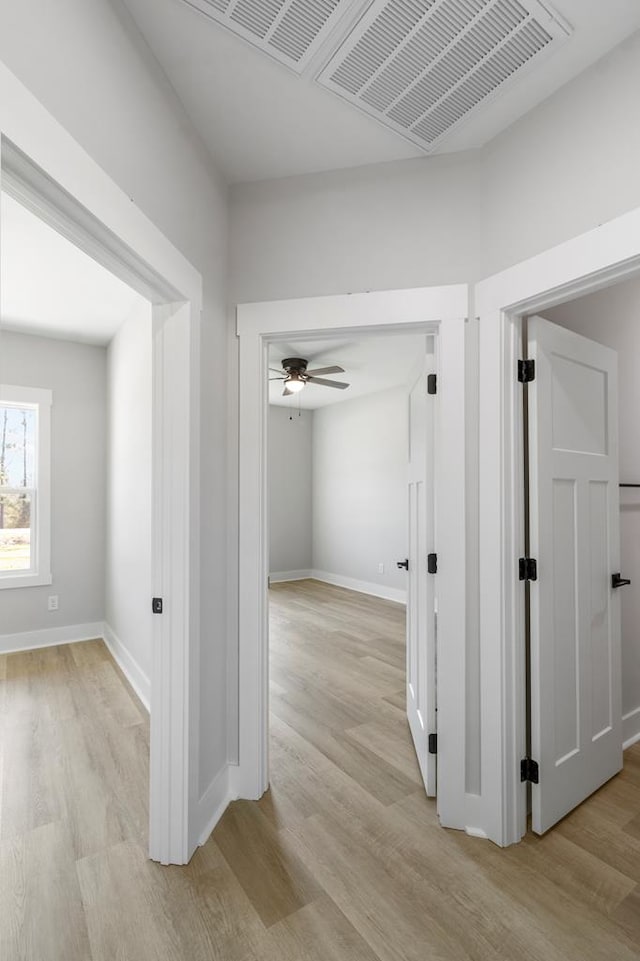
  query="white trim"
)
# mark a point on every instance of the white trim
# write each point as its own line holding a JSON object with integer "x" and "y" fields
{"x": 32, "y": 188}
{"x": 49, "y": 637}
{"x": 435, "y": 310}
{"x": 16, "y": 581}
{"x": 338, "y": 580}
{"x": 214, "y": 802}
{"x": 175, "y": 689}
{"x": 362, "y": 587}
{"x": 278, "y": 577}
{"x": 15, "y": 394}
{"x": 630, "y": 728}
{"x": 70, "y": 188}
{"x": 136, "y": 677}
{"x": 378, "y": 309}
{"x": 45, "y": 142}
{"x": 601, "y": 257}
{"x": 476, "y": 833}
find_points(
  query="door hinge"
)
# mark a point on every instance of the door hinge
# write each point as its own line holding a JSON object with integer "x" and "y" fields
{"x": 432, "y": 384}
{"x": 432, "y": 563}
{"x": 528, "y": 569}
{"x": 156, "y": 605}
{"x": 526, "y": 371}
{"x": 529, "y": 770}
{"x": 433, "y": 744}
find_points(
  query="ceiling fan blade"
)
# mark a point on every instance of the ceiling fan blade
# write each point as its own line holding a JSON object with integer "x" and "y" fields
{"x": 275, "y": 370}
{"x": 277, "y": 378}
{"x": 287, "y": 393}
{"x": 326, "y": 370}
{"x": 327, "y": 383}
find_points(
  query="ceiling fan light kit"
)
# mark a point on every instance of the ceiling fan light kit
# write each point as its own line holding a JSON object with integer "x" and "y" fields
{"x": 296, "y": 376}
{"x": 294, "y": 383}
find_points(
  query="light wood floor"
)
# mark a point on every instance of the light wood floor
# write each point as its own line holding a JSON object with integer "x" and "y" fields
{"x": 342, "y": 860}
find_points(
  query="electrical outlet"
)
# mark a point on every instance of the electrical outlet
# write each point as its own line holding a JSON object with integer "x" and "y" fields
{"x": 53, "y": 602}
{"x": 380, "y": 568}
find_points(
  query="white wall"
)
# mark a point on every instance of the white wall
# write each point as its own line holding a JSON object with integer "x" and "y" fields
{"x": 338, "y": 492}
{"x": 567, "y": 166}
{"x": 407, "y": 224}
{"x": 76, "y": 374}
{"x": 290, "y": 489}
{"x": 100, "y": 81}
{"x": 612, "y": 317}
{"x": 360, "y": 457}
{"x": 129, "y": 508}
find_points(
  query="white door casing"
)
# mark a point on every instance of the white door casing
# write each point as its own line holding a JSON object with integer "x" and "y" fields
{"x": 600, "y": 257}
{"x": 575, "y": 612}
{"x": 439, "y": 310}
{"x": 48, "y": 171}
{"x": 421, "y": 623}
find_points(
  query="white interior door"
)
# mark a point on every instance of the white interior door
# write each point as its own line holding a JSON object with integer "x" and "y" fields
{"x": 421, "y": 618}
{"x": 576, "y": 733}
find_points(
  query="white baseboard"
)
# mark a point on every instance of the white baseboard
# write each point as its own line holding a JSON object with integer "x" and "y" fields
{"x": 128, "y": 665}
{"x": 49, "y": 637}
{"x": 214, "y": 803}
{"x": 351, "y": 583}
{"x": 363, "y": 587}
{"x": 630, "y": 728}
{"x": 281, "y": 576}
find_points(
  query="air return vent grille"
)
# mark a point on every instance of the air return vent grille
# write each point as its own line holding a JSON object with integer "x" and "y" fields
{"x": 422, "y": 67}
{"x": 289, "y": 30}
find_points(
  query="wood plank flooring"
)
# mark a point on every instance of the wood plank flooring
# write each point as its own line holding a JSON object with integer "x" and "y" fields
{"x": 74, "y": 750}
{"x": 342, "y": 860}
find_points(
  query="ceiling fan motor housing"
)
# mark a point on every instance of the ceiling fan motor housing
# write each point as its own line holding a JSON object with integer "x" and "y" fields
{"x": 297, "y": 364}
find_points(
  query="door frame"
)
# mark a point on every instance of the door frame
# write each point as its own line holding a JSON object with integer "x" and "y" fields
{"x": 419, "y": 375}
{"x": 592, "y": 261}
{"x": 46, "y": 169}
{"x": 439, "y": 310}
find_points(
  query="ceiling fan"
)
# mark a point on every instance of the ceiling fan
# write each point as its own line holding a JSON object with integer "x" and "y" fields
{"x": 295, "y": 375}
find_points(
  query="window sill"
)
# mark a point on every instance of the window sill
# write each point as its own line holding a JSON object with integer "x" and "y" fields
{"x": 13, "y": 581}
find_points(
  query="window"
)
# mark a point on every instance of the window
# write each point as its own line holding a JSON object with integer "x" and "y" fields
{"x": 25, "y": 496}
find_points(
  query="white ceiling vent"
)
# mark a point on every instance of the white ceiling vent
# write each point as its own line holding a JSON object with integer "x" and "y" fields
{"x": 289, "y": 30}
{"x": 422, "y": 67}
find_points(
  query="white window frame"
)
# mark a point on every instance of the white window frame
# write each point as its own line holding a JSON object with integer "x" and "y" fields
{"x": 40, "y": 400}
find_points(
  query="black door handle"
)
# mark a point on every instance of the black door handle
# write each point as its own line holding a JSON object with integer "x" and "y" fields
{"x": 404, "y": 563}
{"x": 617, "y": 581}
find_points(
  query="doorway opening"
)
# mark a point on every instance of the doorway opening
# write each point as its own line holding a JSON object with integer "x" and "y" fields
{"x": 440, "y": 312}
{"x": 75, "y": 537}
{"x": 137, "y": 254}
{"x": 351, "y": 514}
{"x": 590, "y": 263}
{"x": 584, "y": 671}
